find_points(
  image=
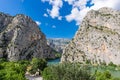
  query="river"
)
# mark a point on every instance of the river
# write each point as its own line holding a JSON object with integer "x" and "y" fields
{"x": 54, "y": 61}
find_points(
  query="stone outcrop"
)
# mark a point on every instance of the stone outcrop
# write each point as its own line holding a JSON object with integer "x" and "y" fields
{"x": 21, "y": 38}
{"x": 97, "y": 40}
{"x": 58, "y": 44}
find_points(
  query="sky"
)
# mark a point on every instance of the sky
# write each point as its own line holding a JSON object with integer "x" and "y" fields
{"x": 56, "y": 18}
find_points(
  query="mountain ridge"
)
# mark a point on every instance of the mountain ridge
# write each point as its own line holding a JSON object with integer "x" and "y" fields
{"x": 20, "y": 38}
{"x": 97, "y": 40}
{"x": 58, "y": 44}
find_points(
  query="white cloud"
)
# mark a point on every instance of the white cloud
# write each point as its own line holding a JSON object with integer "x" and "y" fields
{"x": 79, "y": 8}
{"x": 45, "y": 15}
{"x": 77, "y": 3}
{"x": 77, "y": 15}
{"x": 60, "y": 18}
{"x": 38, "y": 23}
{"x": 53, "y": 26}
{"x": 54, "y": 12}
{"x": 70, "y": 2}
{"x": 48, "y": 11}
{"x": 74, "y": 14}
{"x": 56, "y": 5}
{"x": 105, "y": 3}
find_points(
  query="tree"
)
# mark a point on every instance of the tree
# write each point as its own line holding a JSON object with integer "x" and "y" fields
{"x": 111, "y": 64}
{"x": 37, "y": 64}
{"x": 12, "y": 71}
{"x": 103, "y": 76}
{"x": 67, "y": 71}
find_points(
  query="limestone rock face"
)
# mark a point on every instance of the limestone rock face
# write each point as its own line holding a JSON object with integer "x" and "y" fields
{"x": 97, "y": 40}
{"x": 58, "y": 44}
{"x": 20, "y": 38}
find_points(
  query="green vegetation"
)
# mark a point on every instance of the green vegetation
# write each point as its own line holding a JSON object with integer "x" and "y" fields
{"x": 67, "y": 71}
{"x": 17, "y": 70}
{"x": 57, "y": 54}
{"x": 104, "y": 29}
{"x": 106, "y": 15}
{"x": 77, "y": 71}
{"x": 62, "y": 71}
{"x": 12, "y": 71}
{"x": 105, "y": 76}
{"x": 37, "y": 65}
{"x": 88, "y": 62}
{"x": 111, "y": 64}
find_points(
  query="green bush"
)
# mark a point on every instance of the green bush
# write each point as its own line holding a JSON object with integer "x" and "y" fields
{"x": 105, "y": 76}
{"x": 67, "y": 71}
{"x": 115, "y": 79}
{"x": 2, "y": 60}
{"x": 37, "y": 64}
{"x": 16, "y": 70}
{"x": 58, "y": 55}
{"x": 111, "y": 64}
{"x": 88, "y": 62}
{"x": 12, "y": 71}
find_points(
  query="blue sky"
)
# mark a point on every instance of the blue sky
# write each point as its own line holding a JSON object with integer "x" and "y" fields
{"x": 56, "y": 18}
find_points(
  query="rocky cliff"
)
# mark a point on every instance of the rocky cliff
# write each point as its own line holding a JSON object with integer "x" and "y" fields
{"x": 97, "y": 40}
{"x": 21, "y": 38}
{"x": 58, "y": 44}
